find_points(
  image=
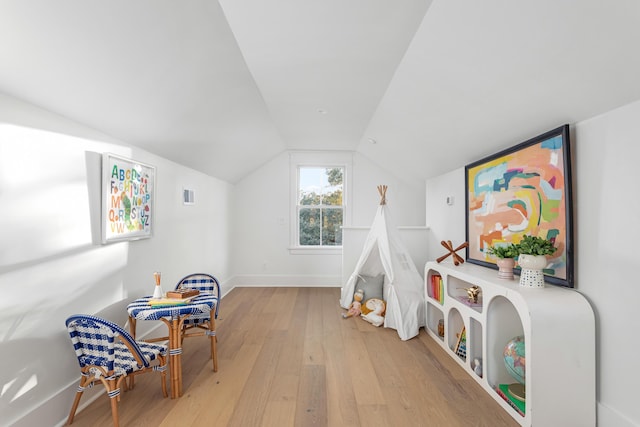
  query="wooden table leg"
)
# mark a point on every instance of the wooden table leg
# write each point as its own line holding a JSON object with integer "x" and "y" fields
{"x": 174, "y": 355}
{"x": 174, "y": 350}
{"x": 214, "y": 339}
{"x": 177, "y": 336}
{"x": 132, "y": 330}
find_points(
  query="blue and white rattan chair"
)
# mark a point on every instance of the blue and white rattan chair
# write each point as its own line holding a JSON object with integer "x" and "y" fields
{"x": 203, "y": 324}
{"x": 108, "y": 354}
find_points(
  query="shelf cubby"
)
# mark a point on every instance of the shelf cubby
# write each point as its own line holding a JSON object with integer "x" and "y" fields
{"x": 454, "y": 325}
{"x": 505, "y": 324}
{"x": 474, "y": 338}
{"x": 456, "y": 289}
{"x": 432, "y": 289}
{"x": 434, "y": 316}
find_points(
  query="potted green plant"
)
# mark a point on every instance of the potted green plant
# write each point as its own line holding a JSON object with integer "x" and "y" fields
{"x": 534, "y": 245}
{"x": 532, "y": 259}
{"x": 504, "y": 251}
{"x": 506, "y": 255}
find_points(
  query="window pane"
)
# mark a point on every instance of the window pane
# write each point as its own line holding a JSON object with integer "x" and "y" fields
{"x": 331, "y": 227}
{"x": 309, "y": 199}
{"x": 311, "y": 183}
{"x": 309, "y": 220}
{"x": 332, "y": 191}
{"x": 320, "y": 186}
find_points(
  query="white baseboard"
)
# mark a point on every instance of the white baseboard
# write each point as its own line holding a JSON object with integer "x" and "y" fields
{"x": 609, "y": 417}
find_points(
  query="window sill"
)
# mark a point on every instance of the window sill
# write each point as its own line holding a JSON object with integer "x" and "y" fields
{"x": 301, "y": 250}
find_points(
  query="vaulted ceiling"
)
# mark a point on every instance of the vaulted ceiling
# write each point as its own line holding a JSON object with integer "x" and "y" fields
{"x": 420, "y": 87}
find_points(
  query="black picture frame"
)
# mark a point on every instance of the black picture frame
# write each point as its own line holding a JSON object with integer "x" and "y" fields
{"x": 524, "y": 189}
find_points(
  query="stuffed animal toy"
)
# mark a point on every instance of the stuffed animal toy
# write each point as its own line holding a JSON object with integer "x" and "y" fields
{"x": 356, "y": 305}
{"x": 477, "y": 366}
{"x": 373, "y": 311}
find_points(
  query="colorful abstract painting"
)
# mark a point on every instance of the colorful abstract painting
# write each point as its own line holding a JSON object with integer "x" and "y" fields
{"x": 525, "y": 190}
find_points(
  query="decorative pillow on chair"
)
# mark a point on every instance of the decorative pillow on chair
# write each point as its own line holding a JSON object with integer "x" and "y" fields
{"x": 371, "y": 285}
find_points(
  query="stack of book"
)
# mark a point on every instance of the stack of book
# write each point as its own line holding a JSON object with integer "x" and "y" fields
{"x": 183, "y": 293}
{"x": 177, "y": 297}
{"x": 518, "y": 405}
{"x": 168, "y": 302}
{"x": 436, "y": 290}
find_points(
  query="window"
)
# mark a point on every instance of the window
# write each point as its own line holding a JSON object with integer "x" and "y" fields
{"x": 320, "y": 206}
{"x": 319, "y": 201}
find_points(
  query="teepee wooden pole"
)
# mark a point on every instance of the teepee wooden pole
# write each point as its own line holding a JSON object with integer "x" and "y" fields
{"x": 382, "y": 189}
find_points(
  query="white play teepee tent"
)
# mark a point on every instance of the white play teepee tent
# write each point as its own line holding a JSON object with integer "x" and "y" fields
{"x": 403, "y": 289}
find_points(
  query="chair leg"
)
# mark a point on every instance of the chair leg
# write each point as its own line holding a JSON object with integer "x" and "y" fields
{"x": 163, "y": 375}
{"x": 214, "y": 340}
{"x": 114, "y": 412}
{"x": 76, "y": 401}
{"x": 114, "y": 397}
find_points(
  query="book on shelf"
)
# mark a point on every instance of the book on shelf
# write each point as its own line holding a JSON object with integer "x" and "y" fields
{"x": 503, "y": 392}
{"x": 183, "y": 293}
{"x": 436, "y": 288}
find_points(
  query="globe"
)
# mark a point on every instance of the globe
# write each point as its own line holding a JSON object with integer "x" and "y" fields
{"x": 514, "y": 358}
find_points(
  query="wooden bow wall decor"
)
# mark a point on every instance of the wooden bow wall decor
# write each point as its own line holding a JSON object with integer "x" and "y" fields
{"x": 457, "y": 259}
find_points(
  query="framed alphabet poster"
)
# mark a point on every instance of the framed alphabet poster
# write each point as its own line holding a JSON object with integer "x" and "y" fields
{"x": 127, "y": 199}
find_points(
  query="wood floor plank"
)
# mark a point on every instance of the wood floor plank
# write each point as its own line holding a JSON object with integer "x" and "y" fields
{"x": 396, "y": 371}
{"x": 341, "y": 400}
{"x": 251, "y": 403}
{"x": 314, "y": 333}
{"x": 364, "y": 380}
{"x": 279, "y": 414}
{"x": 377, "y": 416}
{"x": 288, "y": 358}
{"x": 283, "y": 304}
{"x": 311, "y": 406}
{"x": 213, "y": 398}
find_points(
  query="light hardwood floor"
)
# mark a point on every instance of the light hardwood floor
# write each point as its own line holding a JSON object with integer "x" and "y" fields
{"x": 288, "y": 358}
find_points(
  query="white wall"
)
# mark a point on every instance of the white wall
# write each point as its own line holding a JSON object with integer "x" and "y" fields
{"x": 52, "y": 264}
{"x": 405, "y": 198}
{"x": 444, "y": 219}
{"x": 262, "y": 217}
{"x": 606, "y": 153}
{"x": 607, "y": 150}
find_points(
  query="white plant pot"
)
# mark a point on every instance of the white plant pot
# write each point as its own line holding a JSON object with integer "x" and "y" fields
{"x": 531, "y": 275}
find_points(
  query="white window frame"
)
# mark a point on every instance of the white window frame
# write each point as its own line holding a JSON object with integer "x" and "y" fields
{"x": 321, "y": 159}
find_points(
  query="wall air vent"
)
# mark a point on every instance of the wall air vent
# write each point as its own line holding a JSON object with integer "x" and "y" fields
{"x": 188, "y": 197}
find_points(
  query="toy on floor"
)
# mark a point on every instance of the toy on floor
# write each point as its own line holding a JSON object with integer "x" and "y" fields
{"x": 355, "y": 307}
{"x": 373, "y": 311}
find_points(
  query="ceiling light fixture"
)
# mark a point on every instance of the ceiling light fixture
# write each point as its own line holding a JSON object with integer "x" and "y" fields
{"x": 321, "y": 111}
{"x": 372, "y": 141}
